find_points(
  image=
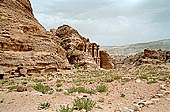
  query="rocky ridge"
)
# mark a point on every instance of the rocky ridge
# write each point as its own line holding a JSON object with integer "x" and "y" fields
{"x": 27, "y": 48}
{"x": 136, "y": 48}
{"x": 148, "y": 56}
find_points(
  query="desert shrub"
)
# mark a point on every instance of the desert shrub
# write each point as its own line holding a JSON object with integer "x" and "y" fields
{"x": 151, "y": 81}
{"x": 124, "y": 80}
{"x": 117, "y": 77}
{"x": 59, "y": 90}
{"x": 45, "y": 105}
{"x": 143, "y": 77}
{"x": 66, "y": 109}
{"x": 122, "y": 95}
{"x": 59, "y": 84}
{"x": 13, "y": 87}
{"x": 42, "y": 88}
{"x": 24, "y": 83}
{"x": 58, "y": 81}
{"x": 101, "y": 100}
{"x": 38, "y": 80}
{"x": 84, "y": 103}
{"x": 101, "y": 88}
{"x": 108, "y": 79}
{"x": 80, "y": 90}
{"x": 163, "y": 78}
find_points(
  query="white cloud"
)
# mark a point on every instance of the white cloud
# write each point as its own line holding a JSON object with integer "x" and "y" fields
{"x": 111, "y": 22}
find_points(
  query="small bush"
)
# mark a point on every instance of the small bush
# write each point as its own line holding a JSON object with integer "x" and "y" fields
{"x": 151, "y": 81}
{"x": 58, "y": 81}
{"x": 38, "y": 80}
{"x": 45, "y": 105}
{"x": 43, "y": 89}
{"x": 122, "y": 95}
{"x": 80, "y": 90}
{"x": 66, "y": 109}
{"x": 116, "y": 77}
{"x": 101, "y": 88}
{"x": 59, "y": 90}
{"x": 83, "y": 103}
{"x": 12, "y": 88}
{"x": 108, "y": 79}
{"x": 59, "y": 84}
{"x": 101, "y": 100}
{"x": 124, "y": 80}
{"x": 162, "y": 78}
{"x": 24, "y": 83}
{"x": 143, "y": 77}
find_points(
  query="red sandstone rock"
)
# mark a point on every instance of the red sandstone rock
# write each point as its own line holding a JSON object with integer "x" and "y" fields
{"x": 149, "y": 56}
{"x": 21, "y": 89}
{"x": 24, "y": 41}
{"x": 106, "y": 61}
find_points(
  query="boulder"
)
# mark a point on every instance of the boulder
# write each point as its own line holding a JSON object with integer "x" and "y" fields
{"x": 21, "y": 89}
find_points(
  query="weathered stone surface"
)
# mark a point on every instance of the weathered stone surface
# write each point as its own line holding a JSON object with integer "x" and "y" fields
{"x": 24, "y": 41}
{"x": 106, "y": 61}
{"x": 77, "y": 47}
{"x": 21, "y": 89}
{"x": 148, "y": 57}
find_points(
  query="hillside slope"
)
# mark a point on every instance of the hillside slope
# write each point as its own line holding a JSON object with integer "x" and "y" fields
{"x": 136, "y": 48}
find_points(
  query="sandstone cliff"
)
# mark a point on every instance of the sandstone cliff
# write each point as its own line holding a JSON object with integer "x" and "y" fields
{"x": 25, "y": 46}
{"x": 77, "y": 47}
{"x": 148, "y": 56}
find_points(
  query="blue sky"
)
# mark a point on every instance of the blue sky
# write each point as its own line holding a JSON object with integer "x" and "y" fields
{"x": 108, "y": 22}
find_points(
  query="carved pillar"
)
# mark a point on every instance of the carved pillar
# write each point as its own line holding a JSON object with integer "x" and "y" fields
{"x": 98, "y": 50}
{"x": 85, "y": 48}
{"x": 93, "y": 51}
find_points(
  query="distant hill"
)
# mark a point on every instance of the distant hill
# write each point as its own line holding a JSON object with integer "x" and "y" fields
{"x": 135, "y": 48}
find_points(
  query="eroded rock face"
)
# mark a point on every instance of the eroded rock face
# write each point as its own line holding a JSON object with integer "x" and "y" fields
{"x": 149, "y": 56}
{"x": 71, "y": 39}
{"x": 106, "y": 60}
{"x": 25, "y": 46}
{"x": 75, "y": 46}
{"x": 17, "y": 16}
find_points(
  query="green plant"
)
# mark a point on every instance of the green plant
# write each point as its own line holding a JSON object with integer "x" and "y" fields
{"x": 59, "y": 90}
{"x": 151, "y": 81}
{"x": 162, "y": 78}
{"x": 4, "y": 82}
{"x": 59, "y": 84}
{"x": 24, "y": 83}
{"x": 84, "y": 103}
{"x": 101, "y": 88}
{"x": 38, "y": 80}
{"x": 122, "y": 95}
{"x": 14, "y": 87}
{"x": 101, "y": 100}
{"x": 43, "y": 89}
{"x": 80, "y": 90}
{"x": 76, "y": 66}
{"x": 45, "y": 105}
{"x": 143, "y": 77}
{"x": 124, "y": 80}
{"x": 1, "y": 85}
{"x": 116, "y": 77}
{"x": 58, "y": 81}
{"x": 66, "y": 109}
{"x": 108, "y": 79}
{"x": 11, "y": 82}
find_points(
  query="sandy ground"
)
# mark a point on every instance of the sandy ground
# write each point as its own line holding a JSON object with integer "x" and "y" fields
{"x": 155, "y": 95}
